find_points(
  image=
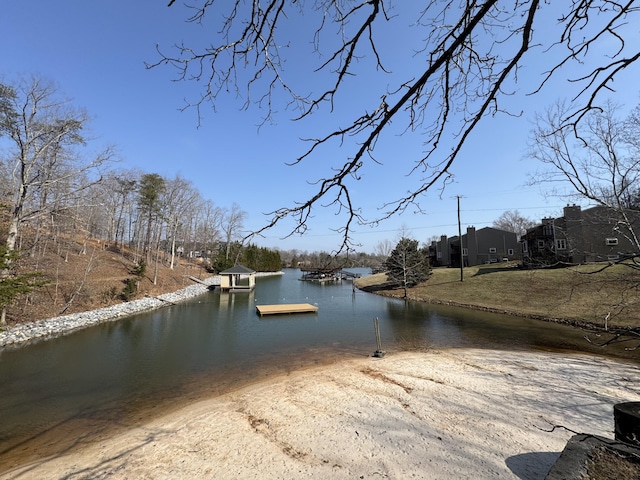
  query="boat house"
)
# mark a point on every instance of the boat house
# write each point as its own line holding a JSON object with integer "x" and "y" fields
{"x": 321, "y": 274}
{"x": 238, "y": 278}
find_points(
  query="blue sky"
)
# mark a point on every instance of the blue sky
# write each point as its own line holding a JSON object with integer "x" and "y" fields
{"x": 96, "y": 52}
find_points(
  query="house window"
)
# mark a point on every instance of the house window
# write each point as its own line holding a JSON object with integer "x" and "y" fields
{"x": 465, "y": 252}
{"x": 613, "y": 257}
{"x": 540, "y": 244}
{"x": 547, "y": 230}
{"x": 611, "y": 241}
{"x": 561, "y": 244}
{"x": 492, "y": 250}
{"x": 525, "y": 247}
{"x": 510, "y": 252}
{"x": 439, "y": 255}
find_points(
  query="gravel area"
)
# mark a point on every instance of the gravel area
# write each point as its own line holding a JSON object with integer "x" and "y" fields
{"x": 19, "y": 335}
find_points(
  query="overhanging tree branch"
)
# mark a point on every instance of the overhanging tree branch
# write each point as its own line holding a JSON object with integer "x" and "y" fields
{"x": 472, "y": 54}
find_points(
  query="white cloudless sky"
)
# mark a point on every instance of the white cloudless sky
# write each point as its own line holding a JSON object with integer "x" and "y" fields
{"x": 96, "y": 52}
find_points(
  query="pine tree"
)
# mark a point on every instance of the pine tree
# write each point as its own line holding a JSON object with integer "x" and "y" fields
{"x": 407, "y": 265}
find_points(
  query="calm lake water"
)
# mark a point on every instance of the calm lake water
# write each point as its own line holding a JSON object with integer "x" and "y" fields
{"x": 119, "y": 373}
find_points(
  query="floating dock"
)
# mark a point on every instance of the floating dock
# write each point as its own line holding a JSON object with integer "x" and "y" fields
{"x": 286, "y": 308}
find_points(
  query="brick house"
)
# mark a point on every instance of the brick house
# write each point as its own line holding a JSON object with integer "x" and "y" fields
{"x": 581, "y": 236}
{"x": 487, "y": 245}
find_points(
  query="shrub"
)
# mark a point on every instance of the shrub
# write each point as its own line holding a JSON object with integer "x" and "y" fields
{"x": 110, "y": 294}
{"x": 139, "y": 269}
{"x": 129, "y": 290}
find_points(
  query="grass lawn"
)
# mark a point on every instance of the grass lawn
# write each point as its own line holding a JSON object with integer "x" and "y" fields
{"x": 575, "y": 294}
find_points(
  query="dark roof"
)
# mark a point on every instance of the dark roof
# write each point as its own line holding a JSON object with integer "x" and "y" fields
{"x": 238, "y": 270}
{"x": 495, "y": 230}
{"x": 321, "y": 269}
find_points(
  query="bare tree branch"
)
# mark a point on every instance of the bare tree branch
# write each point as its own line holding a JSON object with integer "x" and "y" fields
{"x": 597, "y": 157}
{"x": 471, "y": 51}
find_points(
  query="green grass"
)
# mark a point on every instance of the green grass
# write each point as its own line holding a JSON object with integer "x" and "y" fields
{"x": 573, "y": 294}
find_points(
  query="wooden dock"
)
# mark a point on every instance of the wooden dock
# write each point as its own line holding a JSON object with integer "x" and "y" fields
{"x": 286, "y": 308}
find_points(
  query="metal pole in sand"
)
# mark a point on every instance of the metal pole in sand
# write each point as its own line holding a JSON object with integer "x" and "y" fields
{"x": 378, "y": 353}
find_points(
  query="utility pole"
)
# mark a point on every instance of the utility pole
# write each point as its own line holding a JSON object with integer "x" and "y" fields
{"x": 460, "y": 238}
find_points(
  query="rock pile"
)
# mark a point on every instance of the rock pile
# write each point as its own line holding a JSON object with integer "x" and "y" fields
{"x": 54, "y": 327}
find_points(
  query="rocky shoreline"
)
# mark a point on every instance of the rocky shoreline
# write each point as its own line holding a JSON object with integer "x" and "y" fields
{"x": 21, "y": 334}
{"x": 24, "y": 333}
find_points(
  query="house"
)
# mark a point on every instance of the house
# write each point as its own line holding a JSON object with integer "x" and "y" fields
{"x": 582, "y": 236}
{"x": 238, "y": 278}
{"x": 487, "y": 245}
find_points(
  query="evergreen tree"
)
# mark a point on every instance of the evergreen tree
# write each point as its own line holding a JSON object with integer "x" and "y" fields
{"x": 260, "y": 259}
{"x": 407, "y": 265}
{"x": 220, "y": 261}
{"x": 150, "y": 189}
{"x": 11, "y": 286}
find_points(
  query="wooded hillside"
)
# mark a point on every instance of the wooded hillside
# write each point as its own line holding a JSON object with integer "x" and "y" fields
{"x": 84, "y": 274}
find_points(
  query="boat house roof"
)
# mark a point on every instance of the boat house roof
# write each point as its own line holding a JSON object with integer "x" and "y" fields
{"x": 238, "y": 270}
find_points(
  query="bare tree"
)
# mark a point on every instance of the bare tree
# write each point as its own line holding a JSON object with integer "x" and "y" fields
{"x": 47, "y": 173}
{"x": 598, "y": 158}
{"x": 512, "y": 221}
{"x": 383, "y": 248}
{"x": 232, "y": 225}
{"x": 115, "y": 193}
{"x": 467, "y": 58}
{"x": 180, "y": 198}
{"x": 207, "y": 228}
{"x": 44, "y": 130}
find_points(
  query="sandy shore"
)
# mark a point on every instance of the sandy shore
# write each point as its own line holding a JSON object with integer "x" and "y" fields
{"x": 433, "y": 415}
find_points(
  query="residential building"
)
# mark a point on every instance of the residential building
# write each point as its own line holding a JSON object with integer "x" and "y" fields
{"x": 486, "y": 245}
{"x": 582, "y": 236}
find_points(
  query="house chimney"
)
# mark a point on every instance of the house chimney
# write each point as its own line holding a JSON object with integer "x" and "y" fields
{"x": 572, "y": 212}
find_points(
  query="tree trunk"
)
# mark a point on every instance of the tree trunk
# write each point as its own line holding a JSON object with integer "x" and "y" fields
{"x": 173, "y": 243}
{"x": 13, "y": 231}
{"x": 11, "y": 245}
{"x": 173, "y": 251}
{"x": 155, "y": 270}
